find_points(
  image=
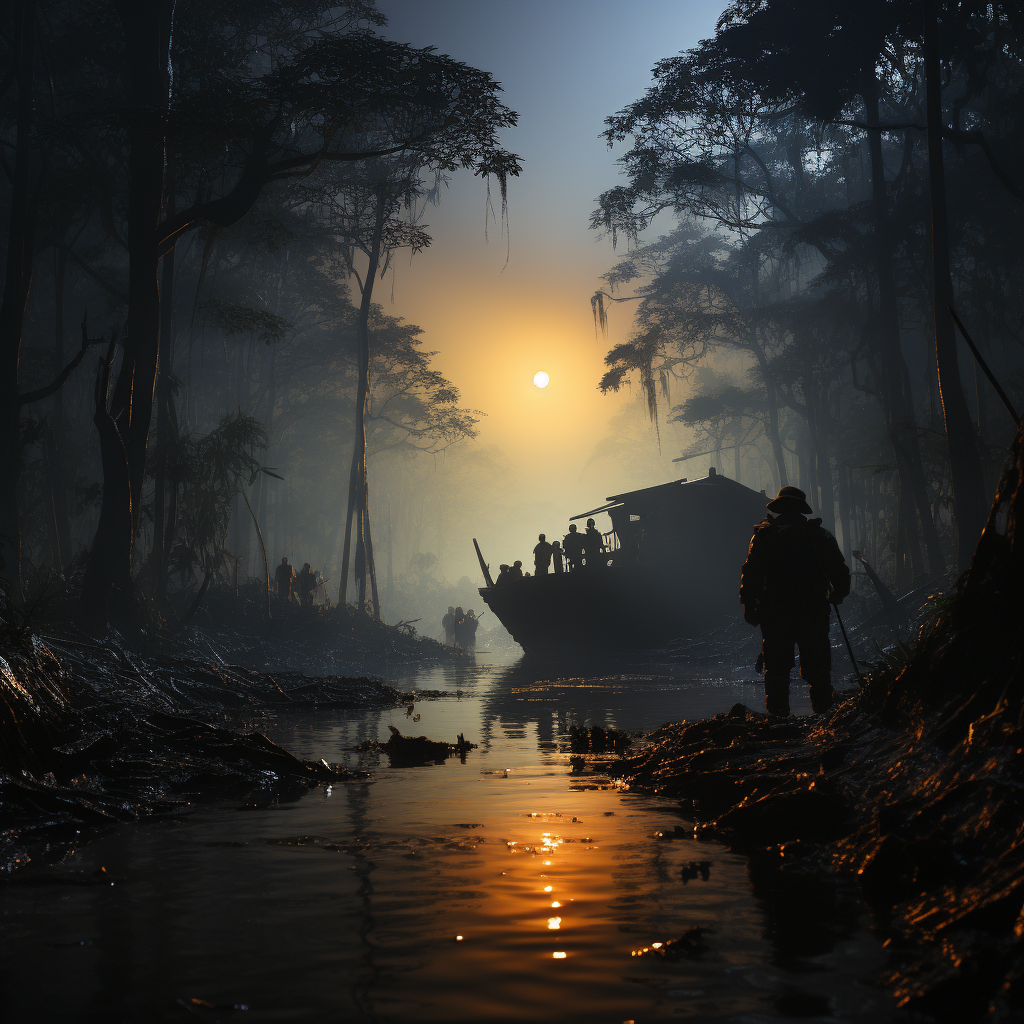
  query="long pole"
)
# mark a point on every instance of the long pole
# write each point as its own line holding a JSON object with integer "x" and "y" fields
{"x": 849, "y": 649}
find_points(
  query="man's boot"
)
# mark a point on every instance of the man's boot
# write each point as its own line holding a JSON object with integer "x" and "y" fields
{"x": 822, "y": 697}
{"x": 776, "y": 695}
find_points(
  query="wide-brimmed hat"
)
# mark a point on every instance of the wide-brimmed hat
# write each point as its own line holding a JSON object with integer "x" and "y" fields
{"x": 790, "y": 499}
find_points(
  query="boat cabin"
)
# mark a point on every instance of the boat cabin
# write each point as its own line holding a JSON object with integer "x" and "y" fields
{"x": 695, "y": 525}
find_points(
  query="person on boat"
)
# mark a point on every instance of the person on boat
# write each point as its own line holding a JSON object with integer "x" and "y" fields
{"x": 556, "y": 556}
{"x": 448, "y": 623}
{"x": 305, "y": 584}
{"x": 460, "y": 618}
{"x": 283, "y": 576}
{"x": 516, "y": 572}
{"x": 542, "y": 557}
{"x": 593, "y": 545}
{"x": 572, "y": 545}
{"x": 503, "y": 575}
{"x": 793, "y": 572}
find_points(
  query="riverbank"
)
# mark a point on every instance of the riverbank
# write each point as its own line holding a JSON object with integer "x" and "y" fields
{"x": 914, "y": 786}
{"x": 94, "y": 732}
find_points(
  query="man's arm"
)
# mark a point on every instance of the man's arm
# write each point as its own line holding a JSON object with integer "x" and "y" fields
{"x": 752, "y": 578}
{"x": 836, "y": 569}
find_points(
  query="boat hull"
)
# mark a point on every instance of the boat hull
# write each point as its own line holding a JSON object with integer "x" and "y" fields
{"x": 607, "y": 609}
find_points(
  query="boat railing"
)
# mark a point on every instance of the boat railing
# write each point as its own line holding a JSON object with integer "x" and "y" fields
{"x": 611, "y": 541}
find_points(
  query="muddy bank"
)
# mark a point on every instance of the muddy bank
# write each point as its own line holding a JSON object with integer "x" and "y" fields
{"x": 914, "y": 786}
{"x": 95, "y": 732}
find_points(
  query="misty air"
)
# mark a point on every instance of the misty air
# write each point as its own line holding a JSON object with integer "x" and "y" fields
{"x": 508, "y": 511}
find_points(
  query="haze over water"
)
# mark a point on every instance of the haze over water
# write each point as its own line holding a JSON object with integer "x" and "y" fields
{"x": 498, "y": 310}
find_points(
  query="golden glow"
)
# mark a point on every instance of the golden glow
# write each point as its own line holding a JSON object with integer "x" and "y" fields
{"x": 558, "y": 956}
{"x": 541, "y": 379}
{"x": 555, "y": 903}
{"x": 554, "y": 923}
{"x": 458, "y": 938}
{"x": 549, "y": 888}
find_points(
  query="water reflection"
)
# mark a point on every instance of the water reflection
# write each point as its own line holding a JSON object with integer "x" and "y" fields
{"x": 508, "y": 887}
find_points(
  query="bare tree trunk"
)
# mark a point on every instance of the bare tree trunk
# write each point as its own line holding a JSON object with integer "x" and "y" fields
{"x": 17, "y": 282}
{"x": 358, "y": 482}
{"x": 166, "y": 423}
{"x": 146, "y": 28}
{"x": 964, "y": 460}
{"x": 59, "y": 476}
{"x": 897, "y": 407}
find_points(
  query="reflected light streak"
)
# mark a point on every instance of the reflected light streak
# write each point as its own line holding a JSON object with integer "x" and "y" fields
{"x": 549, "y": 888}
{"x": 554, "y": 923}
{"x": 558, "y": 956}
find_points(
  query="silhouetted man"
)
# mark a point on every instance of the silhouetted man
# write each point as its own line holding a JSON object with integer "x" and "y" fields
{"x": 466, "y": 635}
{"x": 516, "y": 572}
{"x": 542, "y": 557}
{"x": 503, "y": 576}
{"x": 448, "y": 623}
{"x": 556, "y": 556}
{"x": 593, "y": 545}
{"x": 794, "y": 570}
{"x": 283, "y": 576}
{"x": 305, "y": 584}
{"x": 572, "y": 545}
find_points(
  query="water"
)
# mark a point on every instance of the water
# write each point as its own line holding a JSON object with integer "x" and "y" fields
{"x": 349, "y": 904}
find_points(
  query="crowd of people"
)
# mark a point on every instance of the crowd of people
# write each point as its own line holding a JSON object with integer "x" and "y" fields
{"x": 460, "y": 628}
{"x": 575, "y": 551}
{"x": 306, "y": 586}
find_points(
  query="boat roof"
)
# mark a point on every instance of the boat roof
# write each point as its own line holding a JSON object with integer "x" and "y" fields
{"x": 659, "y": 493}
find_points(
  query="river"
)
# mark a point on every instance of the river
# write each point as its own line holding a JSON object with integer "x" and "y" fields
{"x": 517, "y": 885}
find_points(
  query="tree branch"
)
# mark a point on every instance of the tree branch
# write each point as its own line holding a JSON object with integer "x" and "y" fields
{"x": 59, "y": 381}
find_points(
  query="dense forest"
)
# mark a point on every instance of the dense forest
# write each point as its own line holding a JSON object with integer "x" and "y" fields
{"x": 840, "y": 180}
{"x": 200, "y": 205}
{"x": 196, "y": 372}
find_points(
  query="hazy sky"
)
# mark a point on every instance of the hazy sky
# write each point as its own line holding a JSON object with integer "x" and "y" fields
{"x": 565, "y": 65}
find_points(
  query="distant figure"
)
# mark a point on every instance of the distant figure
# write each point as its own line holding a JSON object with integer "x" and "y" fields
{"x": 460, "y": 618}
{"x": 448, "y": 625}
{"x": 305, "y": 584}
{"x": 556, "y": 556}
{"x": 542, "y": 557}
{"x": 465, "y": 637}
{"x": 516, "y": 572}
{"x": 572, "y": 545}
{"x": 503, "y": 576}
{"x": 794, "y": 570}
{"x": 283, "y": 576}
{"x": 593, "y": 546}
{"x": 320, "y": 596}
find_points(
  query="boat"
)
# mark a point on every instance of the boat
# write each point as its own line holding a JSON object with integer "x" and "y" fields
{"x": 671, "y": 571}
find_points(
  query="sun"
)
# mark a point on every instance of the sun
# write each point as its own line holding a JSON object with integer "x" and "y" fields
{"x": 541, "y": 379}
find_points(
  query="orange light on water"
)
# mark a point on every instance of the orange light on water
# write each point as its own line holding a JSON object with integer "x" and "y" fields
{"x": 554, "y": 923}
{"x": 558, "y": 956}
{"x": 549, "y": 888}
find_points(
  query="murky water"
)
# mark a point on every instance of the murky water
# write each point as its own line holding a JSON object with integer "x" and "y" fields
{"x": 512, "y": 887}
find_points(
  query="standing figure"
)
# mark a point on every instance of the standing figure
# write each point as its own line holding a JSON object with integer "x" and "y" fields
{"x": 542, "y": 557}
{"x": 448, "y": 625}
{"x": 283, "y": 576}
{"x": 593, "y": 546}
{"x": 572, "y": 545}
{"x": 466, "y": 636}
{"x": 305, "y": 584}
{"x": 793, "y": 572}
{"x": 556, "y": 556}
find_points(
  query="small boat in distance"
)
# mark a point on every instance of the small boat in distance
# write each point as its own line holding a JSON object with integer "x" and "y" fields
{"x": 672, "y": 570}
